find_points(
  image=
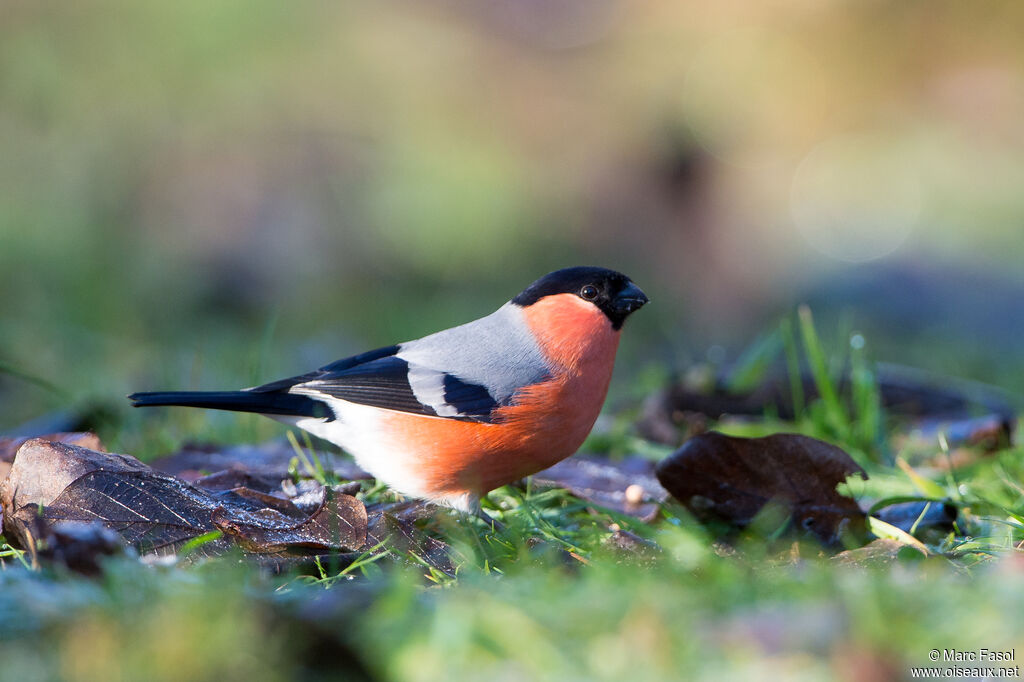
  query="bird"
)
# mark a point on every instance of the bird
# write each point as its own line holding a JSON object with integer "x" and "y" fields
{"x": 453, "y": 415}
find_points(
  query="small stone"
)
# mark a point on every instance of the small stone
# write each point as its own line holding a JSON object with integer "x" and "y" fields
{"x": 634, "y": 494}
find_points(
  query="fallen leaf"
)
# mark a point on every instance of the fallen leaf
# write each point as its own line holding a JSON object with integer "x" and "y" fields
{"x": 9, "y": 446}
{"x": 43, "y": 469}
{"x": 152, "y": 512}
{"x": 76, "y": 545}
{"x": 232, "y": 479}
{"x": 158, "y": 513}
{"x": 732, "y": 479}
{"x": 393, "y": 528}
{"x": 628, "y": 485}
{"x": 280, "y": 504}
{"x": 339, "y": 524}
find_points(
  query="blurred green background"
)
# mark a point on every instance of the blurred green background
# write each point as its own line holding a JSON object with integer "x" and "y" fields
{"x": 211, "y": 195}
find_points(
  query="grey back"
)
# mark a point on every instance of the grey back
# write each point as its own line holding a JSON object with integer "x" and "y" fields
{"x": 497, "y": 352}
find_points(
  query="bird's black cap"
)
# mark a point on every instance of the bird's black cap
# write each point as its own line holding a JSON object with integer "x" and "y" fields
{"x": 612, "y": 292}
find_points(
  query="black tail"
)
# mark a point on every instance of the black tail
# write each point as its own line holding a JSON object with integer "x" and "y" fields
{"x": 272, "y": 403}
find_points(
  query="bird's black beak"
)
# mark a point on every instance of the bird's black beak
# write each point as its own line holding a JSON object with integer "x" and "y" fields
{"x": 629, "y": 299}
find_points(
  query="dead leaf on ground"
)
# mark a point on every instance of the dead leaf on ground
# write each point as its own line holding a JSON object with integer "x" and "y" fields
{"x": 76, "y": 545}
{"x": 732, "y": 479}
{"x": 158, "y": 513}
{"x": 340, "y": 523}
{"x": 9, "y": 446}
{"x": 393, "y": 527}
{"x": 627, "y": 485}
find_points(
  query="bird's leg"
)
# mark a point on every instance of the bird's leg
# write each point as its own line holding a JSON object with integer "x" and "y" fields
{"x": 471, "y": 505}
{"x": 468, "y": 503}
{"x": 490, "y": 521}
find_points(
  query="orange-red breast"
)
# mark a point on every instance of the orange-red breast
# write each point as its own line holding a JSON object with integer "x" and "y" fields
{"x": 453, "y": 415}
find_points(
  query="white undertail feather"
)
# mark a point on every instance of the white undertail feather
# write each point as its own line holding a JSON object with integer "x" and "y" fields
{"x": 357, "y": 430}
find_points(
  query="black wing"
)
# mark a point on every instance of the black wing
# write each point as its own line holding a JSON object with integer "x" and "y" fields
{"x": 381, "y": 379}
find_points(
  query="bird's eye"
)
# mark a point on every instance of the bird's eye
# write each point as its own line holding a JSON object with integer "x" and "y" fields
{"x": 589, "y": 292}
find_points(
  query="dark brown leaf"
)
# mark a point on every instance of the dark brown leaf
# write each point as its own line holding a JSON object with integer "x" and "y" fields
{"x": 9, "y": 446}
{"x": 339, "y": 524}
{"x": 732, "y": 479}
{"x": 626, "y": 485}
{"x": 152, "y": 512}
{"x": 76, "y": 545}
{"x": 43, "y": 469}
{"x": 281, "y": 504}
{"x": 233, "y": 479}
{"x": 157, "y": 513}
{"x": 394, "y": 526}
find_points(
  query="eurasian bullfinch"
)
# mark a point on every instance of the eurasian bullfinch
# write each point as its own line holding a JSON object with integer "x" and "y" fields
{"x": 453, "y": 415}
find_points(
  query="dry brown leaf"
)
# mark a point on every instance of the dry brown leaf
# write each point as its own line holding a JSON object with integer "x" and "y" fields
{"x": 732, "y": 479}
{"x": 157, "y": 513}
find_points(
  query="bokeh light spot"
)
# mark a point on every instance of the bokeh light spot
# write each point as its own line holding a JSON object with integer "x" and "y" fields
{"x": 857, "y": 198}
